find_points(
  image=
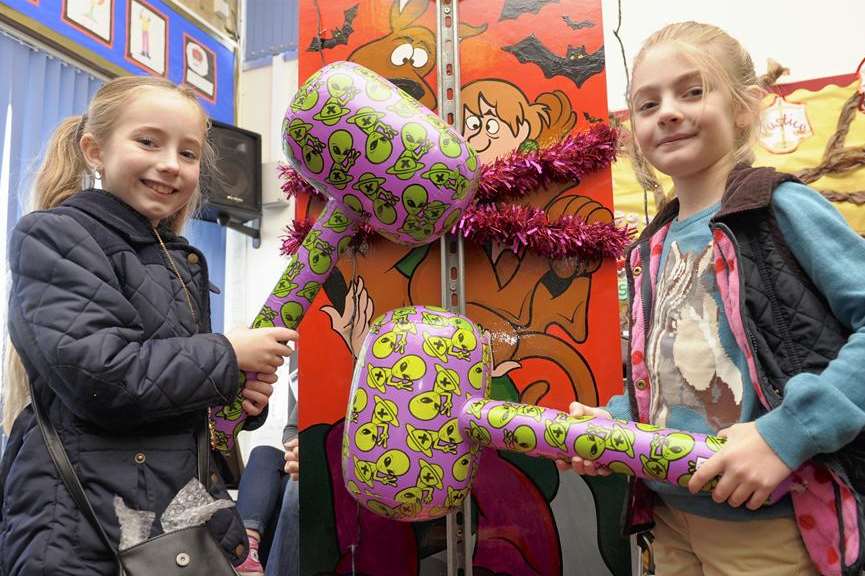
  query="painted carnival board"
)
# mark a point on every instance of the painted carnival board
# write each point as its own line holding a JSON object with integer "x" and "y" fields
{"x": 531, "y": 70}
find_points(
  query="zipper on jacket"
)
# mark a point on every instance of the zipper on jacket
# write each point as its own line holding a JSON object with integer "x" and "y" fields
{"x": 751, "y": 340}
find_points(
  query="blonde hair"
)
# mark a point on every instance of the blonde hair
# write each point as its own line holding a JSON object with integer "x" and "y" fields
{"x": 724, "y": 64}
{"x": 60, "y": 175}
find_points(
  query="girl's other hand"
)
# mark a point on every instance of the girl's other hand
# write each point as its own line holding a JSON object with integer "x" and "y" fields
{"x": 577, "y": 464}
{"x": 256, "y": 393}
{"x": 261, "y": 350}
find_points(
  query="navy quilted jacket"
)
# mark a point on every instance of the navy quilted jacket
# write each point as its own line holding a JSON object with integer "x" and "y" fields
{"x": 113, "y": 352}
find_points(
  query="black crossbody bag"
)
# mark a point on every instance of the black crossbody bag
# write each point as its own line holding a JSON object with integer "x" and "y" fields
{"x": 186, "y": 552}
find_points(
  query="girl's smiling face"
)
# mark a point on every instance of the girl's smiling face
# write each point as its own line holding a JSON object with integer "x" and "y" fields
{"x": 683, "y": 124}
{"x": 152, "y": 158}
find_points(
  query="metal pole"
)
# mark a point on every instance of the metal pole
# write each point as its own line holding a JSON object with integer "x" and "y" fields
{"x": 459, "y": 537}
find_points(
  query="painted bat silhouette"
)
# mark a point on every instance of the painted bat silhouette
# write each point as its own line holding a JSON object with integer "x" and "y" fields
{"x": 577, "y": 25}
{"x": 338, "y": 35}
{"x": 577, "y": 65}
{"x": 591, "y": 119}
{"x": 513, "y": 8}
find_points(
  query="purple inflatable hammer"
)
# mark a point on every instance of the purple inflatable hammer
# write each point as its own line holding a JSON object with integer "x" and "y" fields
{"x": 380, "y": 157}
{"x": 418, "y": 416}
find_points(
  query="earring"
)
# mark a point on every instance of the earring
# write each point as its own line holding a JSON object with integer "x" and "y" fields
{"x": 97, "y": 178}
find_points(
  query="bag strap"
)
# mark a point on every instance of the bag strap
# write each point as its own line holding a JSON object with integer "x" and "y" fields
{"x": 67, "y": 473}
{"x": 60, "y": 458}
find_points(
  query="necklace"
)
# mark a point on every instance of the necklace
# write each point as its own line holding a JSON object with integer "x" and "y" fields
{"x": 211, "y": 425}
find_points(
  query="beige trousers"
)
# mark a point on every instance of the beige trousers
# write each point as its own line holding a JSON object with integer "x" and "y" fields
{"x": 689, "y": 545}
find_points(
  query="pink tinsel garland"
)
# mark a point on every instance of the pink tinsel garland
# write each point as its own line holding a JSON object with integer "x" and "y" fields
{"x": 516, "y": 227}
{"x": 513, "y": 225}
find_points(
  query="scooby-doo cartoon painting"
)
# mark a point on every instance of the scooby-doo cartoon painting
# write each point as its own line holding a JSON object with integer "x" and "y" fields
{"x": 554, "y": 324}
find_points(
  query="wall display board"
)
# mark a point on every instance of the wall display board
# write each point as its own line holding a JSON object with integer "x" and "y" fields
{"x": 140, "y": 37}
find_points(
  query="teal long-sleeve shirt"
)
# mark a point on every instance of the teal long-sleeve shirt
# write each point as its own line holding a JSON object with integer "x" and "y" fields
{"x": 820, "y": 413}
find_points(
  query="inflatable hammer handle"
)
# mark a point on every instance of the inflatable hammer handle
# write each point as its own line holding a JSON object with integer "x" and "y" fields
{"x": 290, "y": 298}
{"x": 630, "y": 448}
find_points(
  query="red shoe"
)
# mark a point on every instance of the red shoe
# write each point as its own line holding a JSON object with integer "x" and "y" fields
{"x": 251, "y": 566}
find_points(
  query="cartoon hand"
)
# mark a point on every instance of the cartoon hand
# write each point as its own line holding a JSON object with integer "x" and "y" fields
{"x": 353, "y": 324}
{"x": 292, "y": 459}
{"x": 749, "y": 468}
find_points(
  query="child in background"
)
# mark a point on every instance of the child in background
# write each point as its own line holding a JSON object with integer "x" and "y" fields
{"x": 109, "y": 315}
{"x": 748, "y": 321}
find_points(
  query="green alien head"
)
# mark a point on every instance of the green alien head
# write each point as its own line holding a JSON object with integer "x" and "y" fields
{"x": 420, "y": 440}
{"x": 655, "y": 468}
{"x": 358, "y": 403}
{"x": 521, "y": 439}
{"x": 450, "y": 432}
{"x": 393, "y": 463}
{"x": 447, "y": 380}
{"x": 431, "y": 475}
{"x": 385, "y": 344}
{"x": 590, "y": 446}
{"x": 367, "y": 437}
{"x": 479, "y": 434}
{"x": 379, "y": 145}
{"x": 462, "y": 467}
{"x": 555, "y": 434}
{"x": 291, "y": 312}
{"x": 311, "y": 149}
{"x": 499, "y": 416}
{"x": 425, "y": 406}
{"x": 320, "y": 259}
{"x": 340, "y": 145}
{"x": 423, "y": 215}
{"x": 406, "y": 371}
{"x": 413, "y": 136}
{"x": 449, "y": 143}
{"x": 265, "y": 318}
{"x": 476, "y": 376}
{"x": 463, "y": 342}
{"x": 385, "y": 411}
{"x": 675, "y": 445}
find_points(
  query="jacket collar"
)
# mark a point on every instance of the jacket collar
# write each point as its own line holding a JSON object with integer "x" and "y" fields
{"x": 116, "y": 214}
{"x": 747, "y": 189}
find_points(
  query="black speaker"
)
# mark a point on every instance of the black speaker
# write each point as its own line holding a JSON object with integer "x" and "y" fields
{"x": 232, "y": 193}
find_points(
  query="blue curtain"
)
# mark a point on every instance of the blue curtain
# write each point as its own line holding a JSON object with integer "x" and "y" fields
{"x": 41, "y": 90}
